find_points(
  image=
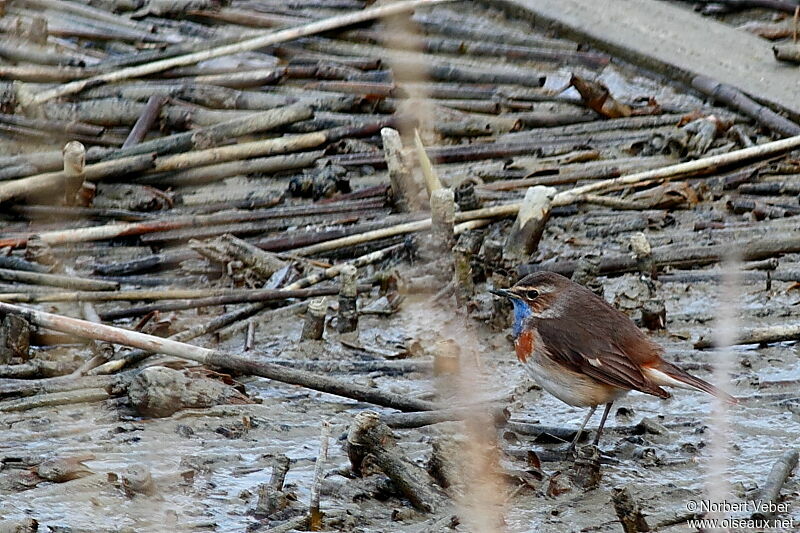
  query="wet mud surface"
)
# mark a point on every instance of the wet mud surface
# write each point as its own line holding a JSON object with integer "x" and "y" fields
{"x": 208, "y": 465}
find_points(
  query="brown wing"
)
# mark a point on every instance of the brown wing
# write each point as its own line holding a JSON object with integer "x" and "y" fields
{"x": 600, "y": 342}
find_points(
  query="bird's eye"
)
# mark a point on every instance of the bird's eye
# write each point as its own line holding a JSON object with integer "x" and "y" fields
{"x": 531, "y": 294}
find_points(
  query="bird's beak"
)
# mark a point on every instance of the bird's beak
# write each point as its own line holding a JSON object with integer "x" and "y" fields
{"x": 503, "y": 292}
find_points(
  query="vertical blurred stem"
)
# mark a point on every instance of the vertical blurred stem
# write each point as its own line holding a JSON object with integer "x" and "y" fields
{"x": 725, "y": 337}
{"x": 315, "y": 515}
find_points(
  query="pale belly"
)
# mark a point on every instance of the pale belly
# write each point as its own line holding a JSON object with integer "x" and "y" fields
{"x": 570, "y": 387}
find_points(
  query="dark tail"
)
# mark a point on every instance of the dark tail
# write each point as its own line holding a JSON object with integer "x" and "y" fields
{"x": 684, "y": 377}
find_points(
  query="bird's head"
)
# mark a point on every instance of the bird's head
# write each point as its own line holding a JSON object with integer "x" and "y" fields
{"x": 536, "y": 295}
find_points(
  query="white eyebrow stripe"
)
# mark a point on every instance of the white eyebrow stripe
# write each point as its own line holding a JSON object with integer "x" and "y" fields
{"x": 541, "y": 288}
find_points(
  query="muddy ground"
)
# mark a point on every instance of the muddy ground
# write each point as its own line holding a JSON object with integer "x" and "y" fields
{"x": 208, "y": 464}
{"x": 208, "y": 467}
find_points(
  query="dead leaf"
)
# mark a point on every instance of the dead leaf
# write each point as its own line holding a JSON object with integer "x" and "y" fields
{"x": 598, "y": 98}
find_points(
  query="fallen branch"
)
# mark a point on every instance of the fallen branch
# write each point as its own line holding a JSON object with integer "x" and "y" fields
{"x": 735, "y": 98}
{"x": 224, "y": 296}
{"x": 368, "y": 435}
{"x": 427, "y": 418}
{"x": 228, "y": 361}
{"x": 57, "y": 280}
{"x": 680, "y": 255}
{"x": 762, "y": 335}
{"x": 771, "y": 492}
{"x": 55, "y": 399}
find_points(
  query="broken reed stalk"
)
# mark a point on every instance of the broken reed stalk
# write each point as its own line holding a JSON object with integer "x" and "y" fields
{"x": 700, "y": 165}
{"x": 222, "y": 154}
{"x": 404, "y": 188}
{"x": 570, "y": 196}
{"x": 74, "y": 165}
{"x": 534, "y": 211}
{"x": 473, "y": 218}
{"x": 443, "y": 216}
{"x": 55, "y": 399}
{"x": 108, "y": 231}
{"x": 203, "y": 138}
{"x": 247, "y": 45}
{"x": 211, "y": 173}
{"x": 134, "y": 356}
{"x": 347, "y": 319}
{"x": 228, "y": 361}
{"x": 240, "y": 314}
{"x": 314, "y": 323}
{"x": 198, "y": 139}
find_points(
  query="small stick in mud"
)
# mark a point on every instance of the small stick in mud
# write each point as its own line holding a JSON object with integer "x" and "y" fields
{"x": 654, "y": 312}
{"x": 368, "y": 435}
{"x": 735, "y": 98}
{"x": 586, "y": 469}
{"x": 250, "y": 336}
{"x": 55, "y": 399}
{"x": 628, "y": 512}
{"x": 347, "y": 319}
{"x": 228, "y": 247}
{"x": 314, "y": 324}
{"x": 464, "y": 250}
{"x": 271, "y": 497}
{"x": 771, "y": 492}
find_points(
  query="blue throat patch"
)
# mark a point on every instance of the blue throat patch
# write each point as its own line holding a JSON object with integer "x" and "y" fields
{"x": 521, "y": 312}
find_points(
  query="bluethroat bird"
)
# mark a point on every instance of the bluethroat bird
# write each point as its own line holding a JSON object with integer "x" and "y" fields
{"x": 585, "y": 352}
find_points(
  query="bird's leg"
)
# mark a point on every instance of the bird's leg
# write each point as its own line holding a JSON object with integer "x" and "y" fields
{"x": 602, "y": 423}
{"x": 580, "y": 430}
